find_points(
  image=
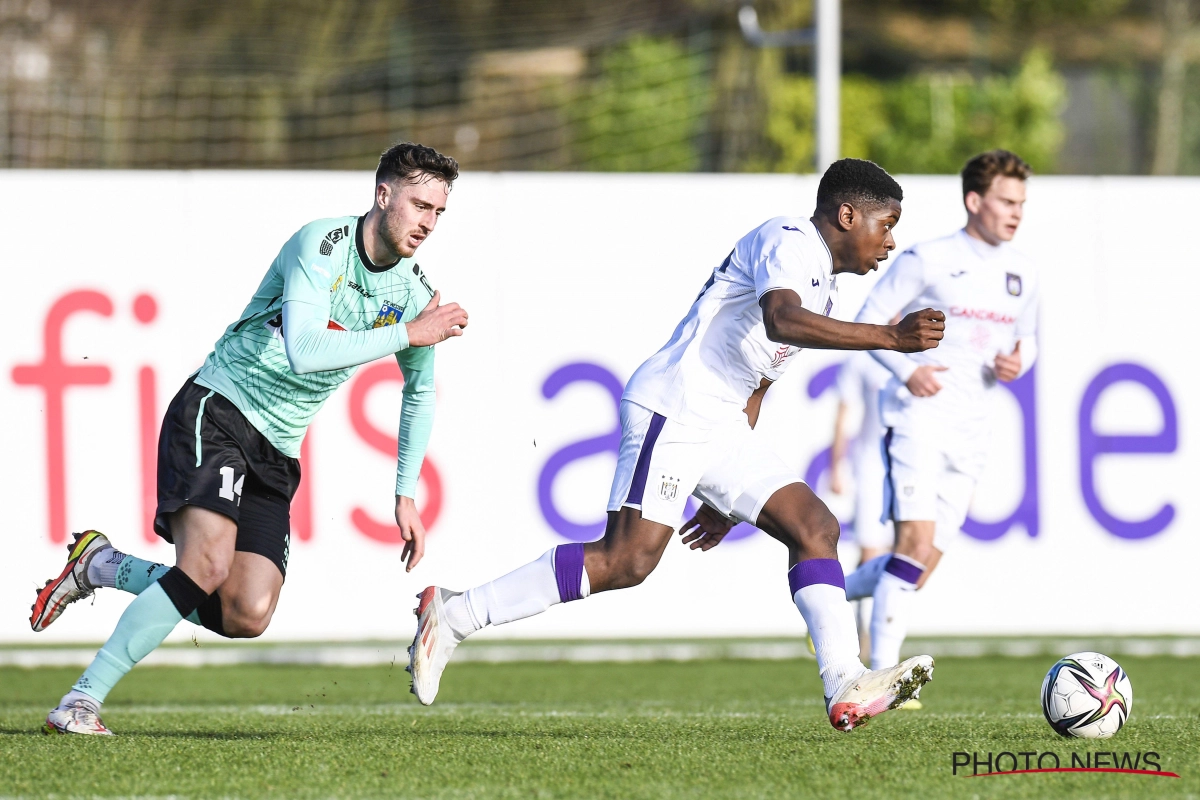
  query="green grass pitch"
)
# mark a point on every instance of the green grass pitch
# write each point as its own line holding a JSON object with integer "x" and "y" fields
{"x": 652, "y": 730}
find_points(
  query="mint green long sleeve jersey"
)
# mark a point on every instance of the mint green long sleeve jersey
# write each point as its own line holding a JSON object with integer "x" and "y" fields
{"x": 323, "y": 310}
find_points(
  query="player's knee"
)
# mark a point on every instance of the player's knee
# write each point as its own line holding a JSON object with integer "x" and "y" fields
{"x": 247, "y": 619}
{"x": 820, "y": 531}
{"x": 208, "y": 573}
{"x": 631, "y": 569}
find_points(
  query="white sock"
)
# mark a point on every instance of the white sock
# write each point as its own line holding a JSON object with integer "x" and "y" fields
{"x": 524, "y": 592}
{"x": 76, "y": 695}
{"x": 861, "y": 582}
{"x": 102, "y": 569}
{"x": 862, "y": 611}
{"x": 893, "y": 603}
{"x": 830, "y": 620}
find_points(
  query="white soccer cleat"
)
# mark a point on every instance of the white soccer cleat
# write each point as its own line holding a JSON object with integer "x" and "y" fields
{"x": 71, "y": 584}
{"x": 78, "y": 717}
{"x": 877, "y": 691}
{"x": 432, "y": 645}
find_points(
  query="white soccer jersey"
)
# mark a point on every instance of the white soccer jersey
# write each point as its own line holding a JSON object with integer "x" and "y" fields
{"x": 990, "y": 298}
{"x": 720, "y": 352}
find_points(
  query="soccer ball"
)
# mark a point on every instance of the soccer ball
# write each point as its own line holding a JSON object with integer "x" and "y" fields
{"x": 1086, "y": 695}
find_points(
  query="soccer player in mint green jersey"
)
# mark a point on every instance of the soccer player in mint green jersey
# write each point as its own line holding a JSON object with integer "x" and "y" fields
{"x": 341, "y": 293}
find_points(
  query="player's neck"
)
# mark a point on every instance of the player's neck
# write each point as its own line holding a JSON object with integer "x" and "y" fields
{"x": 835, "y": 241}
{"x": 377, "y": 249}
{"x": 976, "y": 231}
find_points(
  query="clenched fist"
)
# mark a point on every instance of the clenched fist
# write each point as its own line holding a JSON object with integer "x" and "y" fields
{"x": 920, "y": 330}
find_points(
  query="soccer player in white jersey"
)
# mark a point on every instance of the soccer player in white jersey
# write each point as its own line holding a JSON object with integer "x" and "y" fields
{"x": 686, "y": 420}
{"x": 859, "y": 382}
{"x": 935, "y": 409}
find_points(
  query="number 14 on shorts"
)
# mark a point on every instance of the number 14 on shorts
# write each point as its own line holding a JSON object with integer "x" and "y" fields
{"x": 231, "y": 490}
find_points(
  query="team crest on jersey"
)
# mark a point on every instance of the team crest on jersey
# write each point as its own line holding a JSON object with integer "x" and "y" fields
{"x": 1014, "y": 284}
{"x": 669, "y": 488}
{"x": 388, "y": 315}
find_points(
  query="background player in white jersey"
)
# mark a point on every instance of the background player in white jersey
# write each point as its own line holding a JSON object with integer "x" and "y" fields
{"x": 935, "y": 408}
{"x": 686, "y": 420}
{"x": 859, "y": 382}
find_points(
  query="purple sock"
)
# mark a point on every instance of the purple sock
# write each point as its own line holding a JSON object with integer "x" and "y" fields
{"x": 819, "y": 592}
{"x": 816, "y": 570}
{"x": 568, "y": 571}
{"x": 904, "y": 569}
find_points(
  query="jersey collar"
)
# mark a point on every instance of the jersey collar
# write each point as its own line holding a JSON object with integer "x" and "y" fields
{"x": 362, "y": 250}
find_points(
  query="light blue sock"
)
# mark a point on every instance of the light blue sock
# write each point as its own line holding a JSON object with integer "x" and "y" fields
{"x": 136, "y": 575}
{"x": 142, "y": 628}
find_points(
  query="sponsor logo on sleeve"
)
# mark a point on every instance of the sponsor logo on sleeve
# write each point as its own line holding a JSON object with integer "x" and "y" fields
{"x": 332, "y": 238}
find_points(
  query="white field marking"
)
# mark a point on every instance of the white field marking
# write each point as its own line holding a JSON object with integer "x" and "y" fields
{"x": 414, "y": 710}
{"x": 379, "y": 653}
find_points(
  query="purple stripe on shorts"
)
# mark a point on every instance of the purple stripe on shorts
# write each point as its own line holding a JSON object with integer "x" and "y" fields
{"x": 568, "y": 570}
{"x": 638, "y": 487}
{"x": 816, "y": 570}
{"x": 904, "y": 570}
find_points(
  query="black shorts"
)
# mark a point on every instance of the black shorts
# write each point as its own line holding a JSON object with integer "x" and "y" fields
{"x": 210, "y": 456}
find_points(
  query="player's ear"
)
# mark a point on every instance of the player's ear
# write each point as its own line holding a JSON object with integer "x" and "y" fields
{"x": 383, "y": 195}
{"x": 845, "y": 216}
{"x": 973, "y": 202}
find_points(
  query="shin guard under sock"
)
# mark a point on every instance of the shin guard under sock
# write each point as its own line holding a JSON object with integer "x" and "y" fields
{"x": 145, "y": 624}
{"x": 890, "y": 615}
{"x": 818, "y": 590}
{"x": 557, "y": 577}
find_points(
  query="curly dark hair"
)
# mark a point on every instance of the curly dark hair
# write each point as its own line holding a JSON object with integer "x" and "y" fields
{"x": 980, "y": 171}
{"x": 409, "y": 161}
{"x": 857, "y": 182}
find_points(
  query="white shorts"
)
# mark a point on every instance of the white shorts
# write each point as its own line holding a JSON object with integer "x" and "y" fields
{"x": 661, "y": 462}
{"x": 931, "y": 478}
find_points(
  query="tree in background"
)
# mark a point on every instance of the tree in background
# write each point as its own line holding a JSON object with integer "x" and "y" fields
{"x": 926, "y": 123}
{"x": 645, "y": 110}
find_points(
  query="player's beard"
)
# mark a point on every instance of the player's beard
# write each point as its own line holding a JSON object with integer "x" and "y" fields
{"x": 395, "y": 237}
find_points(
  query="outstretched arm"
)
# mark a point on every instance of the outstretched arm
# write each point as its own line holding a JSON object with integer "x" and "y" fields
{"x": 312, "y": 347}
{"x": 416, "y": 424}
{"x": 788, "y": 322}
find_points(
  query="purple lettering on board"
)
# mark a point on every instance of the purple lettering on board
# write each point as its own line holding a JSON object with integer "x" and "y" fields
{"x": 1026, "y": 514}
{"x": 609, "y": 442}
{"x": 1092, "y": 445}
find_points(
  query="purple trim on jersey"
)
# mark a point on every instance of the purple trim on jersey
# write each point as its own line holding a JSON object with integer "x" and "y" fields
{"x": 637, "y": 487}
{"x": 903, "y": 569}
{"x": 816, "y": 570}
{"x": 568, "y": 571}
